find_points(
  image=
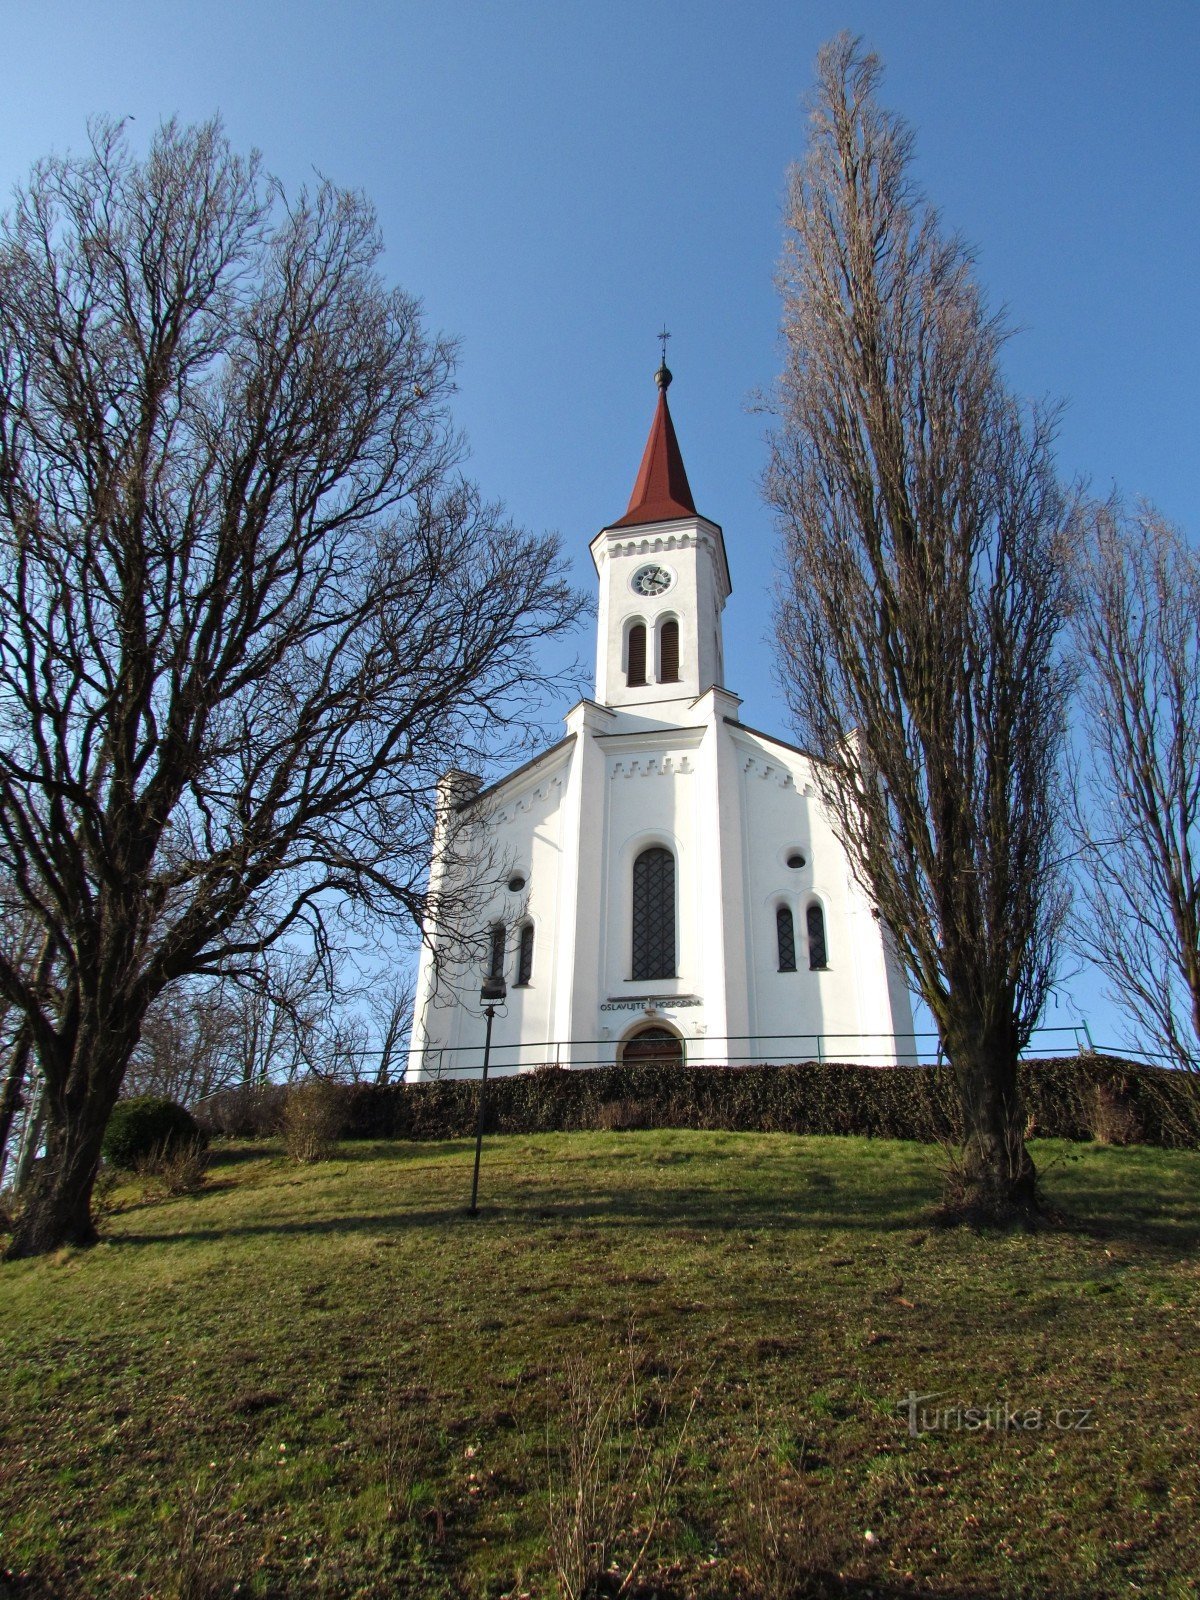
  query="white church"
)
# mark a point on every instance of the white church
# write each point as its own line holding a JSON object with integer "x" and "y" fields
{"x": 662, "y": 883}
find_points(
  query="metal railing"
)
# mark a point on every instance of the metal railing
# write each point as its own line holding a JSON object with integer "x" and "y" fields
{"x": 440, "y": 1062}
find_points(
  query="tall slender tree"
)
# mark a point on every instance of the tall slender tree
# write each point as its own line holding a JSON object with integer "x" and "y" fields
{"x": 1137, "y": 630}
{"x": 922, "y": 596}
{"x": 250, "y": 606}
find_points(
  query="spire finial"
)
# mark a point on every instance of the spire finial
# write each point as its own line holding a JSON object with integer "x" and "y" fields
{"x": 663, "y": 376}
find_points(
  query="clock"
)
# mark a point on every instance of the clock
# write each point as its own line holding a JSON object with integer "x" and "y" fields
{"x": 652, "y": 580}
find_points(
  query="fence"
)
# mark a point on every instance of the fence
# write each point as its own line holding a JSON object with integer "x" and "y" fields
{"x": 440, "y": 1062}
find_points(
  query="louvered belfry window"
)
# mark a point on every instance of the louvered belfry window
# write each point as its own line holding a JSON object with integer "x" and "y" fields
{"x": 668, "y": 652}
{"x": 818, "y": 956}
{"x": 654, "y": 914}
{"x": 636, "y": 675}
{"x": 525, "y": 956}
{"x": 785, "y": 934}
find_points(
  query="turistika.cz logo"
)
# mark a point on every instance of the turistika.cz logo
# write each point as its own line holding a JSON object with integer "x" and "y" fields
{"x": 1001, "y": 1416}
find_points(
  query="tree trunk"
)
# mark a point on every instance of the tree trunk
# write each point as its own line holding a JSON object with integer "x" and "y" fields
{"x": 11, "y": 1095}
{"x": 56, "y": 1207}
{"x": 996, "y": 1183}
{"x": 31, "y": 1138}
{"x": 56, "y": 1204}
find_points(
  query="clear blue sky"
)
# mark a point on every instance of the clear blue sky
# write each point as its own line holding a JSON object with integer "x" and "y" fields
{"x": 556, "y": 179}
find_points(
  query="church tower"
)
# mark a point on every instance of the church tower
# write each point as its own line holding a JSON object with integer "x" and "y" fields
{"x": 664, "y": 581}
{"x": 663, "y": 882}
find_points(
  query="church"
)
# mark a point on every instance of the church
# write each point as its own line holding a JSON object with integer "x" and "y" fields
{"x": 663, "y": 882}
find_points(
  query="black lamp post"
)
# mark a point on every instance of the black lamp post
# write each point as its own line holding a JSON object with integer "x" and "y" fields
{"x": 493, "y": 993}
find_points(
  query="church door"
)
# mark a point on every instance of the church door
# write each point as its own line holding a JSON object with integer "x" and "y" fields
{"x": 653, "y": 1044}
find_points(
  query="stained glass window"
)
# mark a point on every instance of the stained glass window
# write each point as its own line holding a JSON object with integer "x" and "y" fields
{"x": 817, "y": 954}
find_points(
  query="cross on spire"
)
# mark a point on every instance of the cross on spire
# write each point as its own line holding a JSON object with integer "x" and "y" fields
{"x": 663, "y": 337}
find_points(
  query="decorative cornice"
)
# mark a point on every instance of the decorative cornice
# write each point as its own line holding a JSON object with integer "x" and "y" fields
{"x": 667, "y": 766}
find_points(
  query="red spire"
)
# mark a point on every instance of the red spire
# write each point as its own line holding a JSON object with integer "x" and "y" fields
{"x": 661, "y": 492}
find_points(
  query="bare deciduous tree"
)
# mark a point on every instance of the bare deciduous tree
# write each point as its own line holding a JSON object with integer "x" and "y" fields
{"x": 922, "y": 597}
{"x": 390, "y": 1003}
{"x": 187, "y": 1048}
{"x": 251, "y": 609}
{"x": 1137, "y": 631}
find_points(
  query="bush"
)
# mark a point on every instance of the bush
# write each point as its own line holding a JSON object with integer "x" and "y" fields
{"x": 1114, "y": 1118}
{"x": 313, "y": 1119}
{"x": 624, "y": 1116}
{"x": 250, "y": 1111}
{"x": 146, "y": 1124}
{"x": 175, "y": 1168}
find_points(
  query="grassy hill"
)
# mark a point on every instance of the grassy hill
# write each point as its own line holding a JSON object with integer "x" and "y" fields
{"x": 327, "y": 1381}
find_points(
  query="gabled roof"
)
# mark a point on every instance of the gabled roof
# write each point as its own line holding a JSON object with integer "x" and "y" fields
{"x": 661, "y": 492}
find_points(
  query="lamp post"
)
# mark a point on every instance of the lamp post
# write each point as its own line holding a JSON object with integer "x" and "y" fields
{"x": 493, "y": 993}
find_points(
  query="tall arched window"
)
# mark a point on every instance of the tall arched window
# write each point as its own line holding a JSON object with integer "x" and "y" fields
{"x": 654, "y": 914}
{"x": 785, "y": 938}
{"x": 525, "y": 955}
{"x": 635, "y": 677}
{"x": 496, "y": 952}
{"x": 818, "y": 956}
{"x": 668, "y": 652}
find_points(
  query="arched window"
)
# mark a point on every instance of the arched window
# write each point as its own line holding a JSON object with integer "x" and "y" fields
{"x": 668, "y": 652}
{"x": 818, "y": 956}
{"x": 785, "y": 937}
{"x": 525, "y": 955}
{"x": 635, "y": 677}
{"x": 654, "y": 914}
{"x": 496, "y": 952}
{"x": 653, "y": 1044}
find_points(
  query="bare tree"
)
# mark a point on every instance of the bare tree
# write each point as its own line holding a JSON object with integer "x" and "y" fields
{"x": 921, "y": 600}
{"x": 1137, "y": 631}
{"x": 251, "y": 607}
{"x": 390, "y": 1003}
{"x": 188, "y": 1044}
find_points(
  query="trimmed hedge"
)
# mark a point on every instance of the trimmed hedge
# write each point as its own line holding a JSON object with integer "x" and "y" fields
{"x": 148, "y": 1125}
{"x": 1075, "y": 1097}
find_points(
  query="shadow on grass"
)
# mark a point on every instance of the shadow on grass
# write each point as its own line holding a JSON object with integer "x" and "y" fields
{"x": 1135, "y": 1196}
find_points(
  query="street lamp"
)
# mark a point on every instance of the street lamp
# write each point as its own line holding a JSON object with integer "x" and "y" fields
{"x": 493, "y": 993}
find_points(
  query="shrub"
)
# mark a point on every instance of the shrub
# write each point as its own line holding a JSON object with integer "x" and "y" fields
{"x": 178, "y": 1167}
{"x": 249, "y": 1111}
{"x": 313, "y": 1119}
{"x": 623, "y": 1116}
{"x": 1114, "y": 1116}
{"x": 146, "y": 1124}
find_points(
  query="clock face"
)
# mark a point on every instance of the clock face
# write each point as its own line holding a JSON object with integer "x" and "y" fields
{"x": 652, "y": 580}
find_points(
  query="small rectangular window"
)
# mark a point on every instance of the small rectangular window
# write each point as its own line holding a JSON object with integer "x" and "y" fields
{"x": 525, "y": 956}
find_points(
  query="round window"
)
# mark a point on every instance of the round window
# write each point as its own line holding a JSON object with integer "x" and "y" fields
{"x": 516, "y": 882}
{"x": 796, "y": 859}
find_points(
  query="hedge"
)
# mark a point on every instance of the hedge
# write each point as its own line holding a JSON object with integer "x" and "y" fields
{"x": 1075, "y": 1097}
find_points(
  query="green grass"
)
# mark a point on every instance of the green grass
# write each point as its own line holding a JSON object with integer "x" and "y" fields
{"x": 328, "y": 1381}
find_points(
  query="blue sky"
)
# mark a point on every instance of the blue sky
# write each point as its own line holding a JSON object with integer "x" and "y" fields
{"x": 556, "y": 179}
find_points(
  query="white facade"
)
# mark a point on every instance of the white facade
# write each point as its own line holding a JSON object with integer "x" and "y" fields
{"x": 659, "y": 765}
